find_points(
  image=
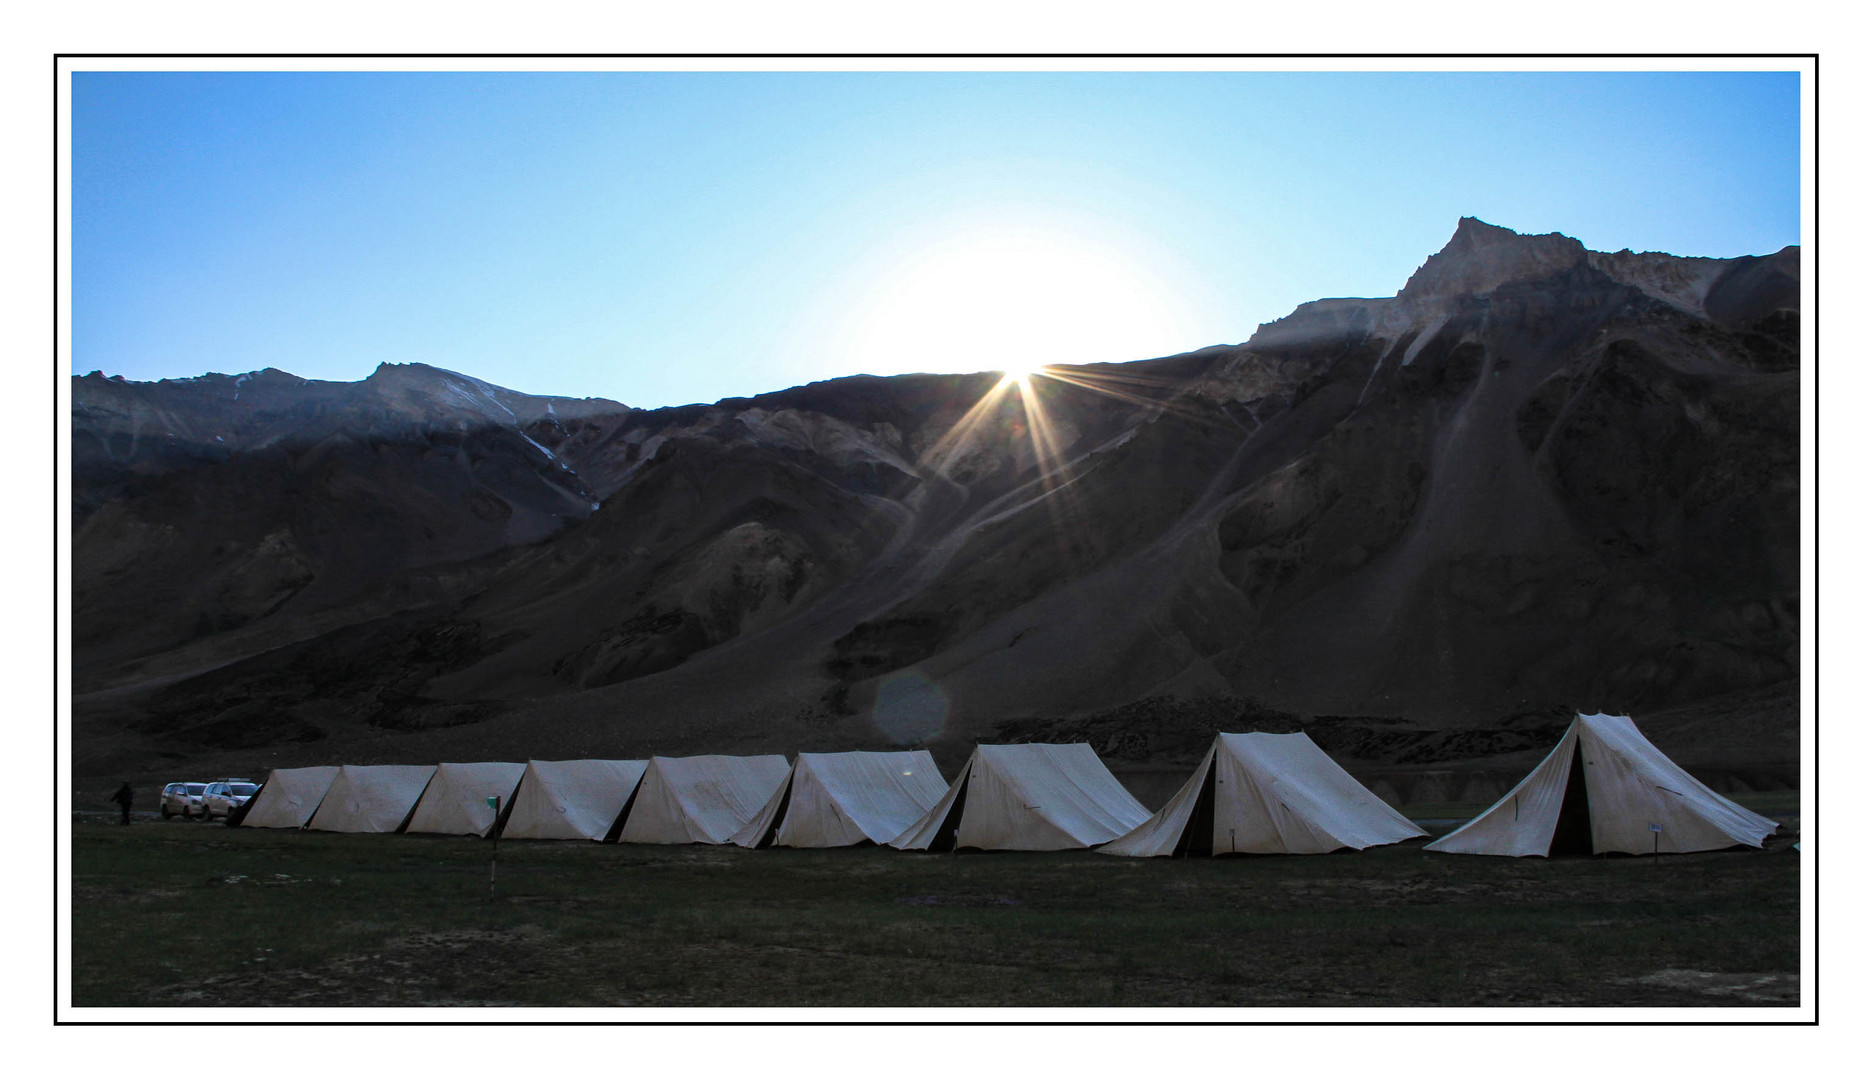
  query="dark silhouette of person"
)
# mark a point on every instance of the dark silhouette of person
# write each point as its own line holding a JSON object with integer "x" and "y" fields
{"x": 124, "y": 797}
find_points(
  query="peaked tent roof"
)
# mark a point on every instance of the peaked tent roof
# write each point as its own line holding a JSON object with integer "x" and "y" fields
{"x": 701, "y": 800}
{"x": 1272, "y": 794}
{"x": 456, "y": 800}
{"x": 371, "y": 798}
{"x": 832, "y": 800}
{"x": 571, "y": 800}
{"x": 1028, "y": 797}
{"x": 1627, "y": 786}
{"x": 288, "y": 797}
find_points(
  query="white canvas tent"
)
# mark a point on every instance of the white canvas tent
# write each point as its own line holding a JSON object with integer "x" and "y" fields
{"x": 832, "y": 800}
{"x": 456, "y": 801}
{"x": 700, "y": 800}
{"x": 288, "y": 797}
{"x": 1603, "y": 788}
{"x": 1266, "y": 794}
{"x": 1027, "y": 797}
{"x": 572, "y": 800}
{"x": 371, "y": 798}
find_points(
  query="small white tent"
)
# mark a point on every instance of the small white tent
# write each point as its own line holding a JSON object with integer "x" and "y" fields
{"x": 1258, "y": 793}
{"x": 456, "y": 800}
{"x": 700, "y": 800}
{"x": 572, "y": 800}
{"x": 371, "y": 798}
{"x": 832, "y": 800}
{"x": 1027, "y": 797}
{"x": 288, "y": 797}
{"x": 1605, "y": 788}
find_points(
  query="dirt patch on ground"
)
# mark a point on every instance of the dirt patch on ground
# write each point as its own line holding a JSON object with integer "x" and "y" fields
{"x": 125, "y": 894}
{"x": 1767, "y": 988}
{"x": 438, "y": 968}
{"x": 960, "y": 901}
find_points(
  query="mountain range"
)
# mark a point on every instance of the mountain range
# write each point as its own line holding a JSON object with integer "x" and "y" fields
{"x": 1424, "y": 528}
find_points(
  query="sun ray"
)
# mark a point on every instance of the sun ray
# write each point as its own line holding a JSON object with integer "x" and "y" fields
{"x": 1037, "y": 387}
{"x": 1050, "y": 462}
{"x": 945, "y": 450}
{"x": 1131, "y": 389}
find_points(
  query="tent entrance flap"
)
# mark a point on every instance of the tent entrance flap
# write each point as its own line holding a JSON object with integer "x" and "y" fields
{"x": 1201, "y": 828}
{"x": 404, "y": 825}
{"x": 617, "y": 823}
{"x": 945, "y": 839}
{"x": 1573, "y": 829}
{"x": 780, "y": 815}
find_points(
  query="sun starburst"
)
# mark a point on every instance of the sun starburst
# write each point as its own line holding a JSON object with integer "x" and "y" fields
{"x": 1019, "y": 373}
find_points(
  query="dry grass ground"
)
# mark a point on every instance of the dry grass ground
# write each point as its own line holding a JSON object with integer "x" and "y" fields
{"x": 185, "y": 914}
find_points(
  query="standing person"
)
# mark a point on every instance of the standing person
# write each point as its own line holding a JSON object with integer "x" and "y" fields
{"x": 124, "y": 797}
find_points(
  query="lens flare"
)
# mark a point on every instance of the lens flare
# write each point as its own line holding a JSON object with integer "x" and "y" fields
{"x": 1020, "y": 373}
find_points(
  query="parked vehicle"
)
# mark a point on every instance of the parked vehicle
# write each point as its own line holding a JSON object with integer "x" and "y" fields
{"x": 184, "y": 797}
{"x": 223, "y": 796}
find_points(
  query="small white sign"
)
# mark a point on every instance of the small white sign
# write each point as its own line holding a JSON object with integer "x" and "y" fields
{"x": 1656, "y": 827}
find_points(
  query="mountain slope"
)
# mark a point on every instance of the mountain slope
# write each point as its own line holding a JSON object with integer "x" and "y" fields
{"x": 205, "y": 505}
{"x": 1538, "y": 478}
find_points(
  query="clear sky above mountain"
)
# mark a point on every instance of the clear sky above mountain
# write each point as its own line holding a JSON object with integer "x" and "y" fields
{"x": 669, "y": 238}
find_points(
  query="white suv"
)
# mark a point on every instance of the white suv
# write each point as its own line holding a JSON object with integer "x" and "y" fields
{"x": 224, "y": 796}
{"x": 184, "y": 799}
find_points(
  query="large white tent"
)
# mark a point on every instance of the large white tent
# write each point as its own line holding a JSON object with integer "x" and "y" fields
{"x": 832, "y": 800}
{"x": 1259, "y": 793}
{"x": 700, "y": 800}
{"x": 371, "y": 798}
{"x": 1027, "y": 797}
{"x": 572, "y": 800}
{"x": 1603, "y": 788}
{"x": 288, "y": 797}
{"x": 456, "y": 801}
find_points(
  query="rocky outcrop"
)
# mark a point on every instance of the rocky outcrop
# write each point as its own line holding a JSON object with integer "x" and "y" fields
{"x": 1481, "y": 258}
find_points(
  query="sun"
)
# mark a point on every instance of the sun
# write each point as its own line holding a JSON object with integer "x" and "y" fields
{"x": 1012, "y": 297}
{"x": 1018, "y": 372}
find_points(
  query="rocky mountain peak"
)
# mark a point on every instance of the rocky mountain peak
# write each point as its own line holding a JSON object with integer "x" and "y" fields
{"x": 1481, "y": 257}
{"x": 414, "y": 376}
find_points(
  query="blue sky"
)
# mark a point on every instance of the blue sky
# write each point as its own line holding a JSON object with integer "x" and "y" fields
{"x": 669, "y": 238}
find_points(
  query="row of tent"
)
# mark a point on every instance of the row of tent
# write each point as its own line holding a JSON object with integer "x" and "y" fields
{"x": 1604, "y": 788}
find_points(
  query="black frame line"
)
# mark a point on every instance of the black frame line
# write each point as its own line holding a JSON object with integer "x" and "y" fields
{"x": 1814, "y": 318}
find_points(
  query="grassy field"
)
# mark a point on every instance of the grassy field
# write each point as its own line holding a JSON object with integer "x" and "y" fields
{"x": 185, "y": 914}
